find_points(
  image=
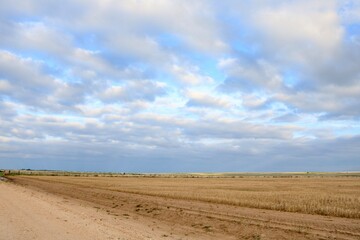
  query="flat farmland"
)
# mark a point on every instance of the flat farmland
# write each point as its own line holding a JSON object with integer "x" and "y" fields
{"x": 214, "y": 208}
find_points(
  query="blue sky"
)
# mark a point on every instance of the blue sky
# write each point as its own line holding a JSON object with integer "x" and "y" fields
{"x": 180, "y": 86}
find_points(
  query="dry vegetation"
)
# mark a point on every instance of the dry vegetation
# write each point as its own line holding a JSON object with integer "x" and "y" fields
{"x": 330, "y": 196}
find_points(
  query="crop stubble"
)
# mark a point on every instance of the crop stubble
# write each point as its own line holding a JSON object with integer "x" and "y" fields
{"x": 335, "y": 198}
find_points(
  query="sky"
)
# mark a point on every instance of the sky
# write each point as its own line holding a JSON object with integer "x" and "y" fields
{"x": 180, "y": 85}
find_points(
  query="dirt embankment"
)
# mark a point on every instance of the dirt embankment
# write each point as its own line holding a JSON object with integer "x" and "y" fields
{"x": 39, "y": 209}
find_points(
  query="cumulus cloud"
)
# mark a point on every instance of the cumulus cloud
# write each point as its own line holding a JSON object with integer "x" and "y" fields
{"x": 297, "y": 29}
{"x": 180, "y": 86}
{"x": 304, "y": 56}
{"x": 22, "y": 78}
{"x": 190, "y": 75}
{"x": 8, "y": 110}
{"x": 247, "y": 75}
{"x": 133, "y": 91}
{"x": 201, "y": 99}
{"x": 24, "y": 81}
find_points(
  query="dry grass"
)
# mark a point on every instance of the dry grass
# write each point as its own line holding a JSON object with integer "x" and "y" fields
{"x": 331, "y": 196}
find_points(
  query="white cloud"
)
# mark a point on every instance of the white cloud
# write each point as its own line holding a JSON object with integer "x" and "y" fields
{"x": 202, "y": 99}
{"x": 5, "y": 86}
{"x": 134, "y": 84}
{"x": 30, "y": 36}
{"x": 22, "y": 78}
{"x": 251, "y": 75}
{"x": 301, "y": 30}
{"x": 190, "y": 75}
{"x": 303, "y": 56}
{"x": 253, "y": 101}
{"x": 134, "y": 90}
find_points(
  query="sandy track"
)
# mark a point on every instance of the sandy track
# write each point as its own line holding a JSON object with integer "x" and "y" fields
{"x": 29, "y": 214}
{"x": 136, "y": 216}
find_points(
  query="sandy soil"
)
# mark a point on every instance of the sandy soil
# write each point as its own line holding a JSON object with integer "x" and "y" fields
{"x": 36, "y": 209}
{"x": 29, "y": 214}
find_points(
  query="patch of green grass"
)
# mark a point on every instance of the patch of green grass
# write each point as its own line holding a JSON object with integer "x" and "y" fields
{"x": 2, "y": 174}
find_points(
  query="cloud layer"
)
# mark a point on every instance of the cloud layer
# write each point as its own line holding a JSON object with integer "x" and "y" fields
{"x": 174, "y": 86}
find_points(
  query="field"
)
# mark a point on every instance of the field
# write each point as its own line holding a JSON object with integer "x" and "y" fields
{"x": 216, "y": 206}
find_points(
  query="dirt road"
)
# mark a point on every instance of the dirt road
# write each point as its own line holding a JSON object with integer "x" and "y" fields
{"x": 29, "y": 214}
{"x": 51, "y": 208}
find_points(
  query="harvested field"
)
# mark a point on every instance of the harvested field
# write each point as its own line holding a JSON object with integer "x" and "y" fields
{"x": 229, "y": 208}
{"x": 338, "y": 197}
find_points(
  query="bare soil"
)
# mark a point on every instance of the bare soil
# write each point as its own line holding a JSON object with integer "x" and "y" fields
{"x": 37, "y": 208}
